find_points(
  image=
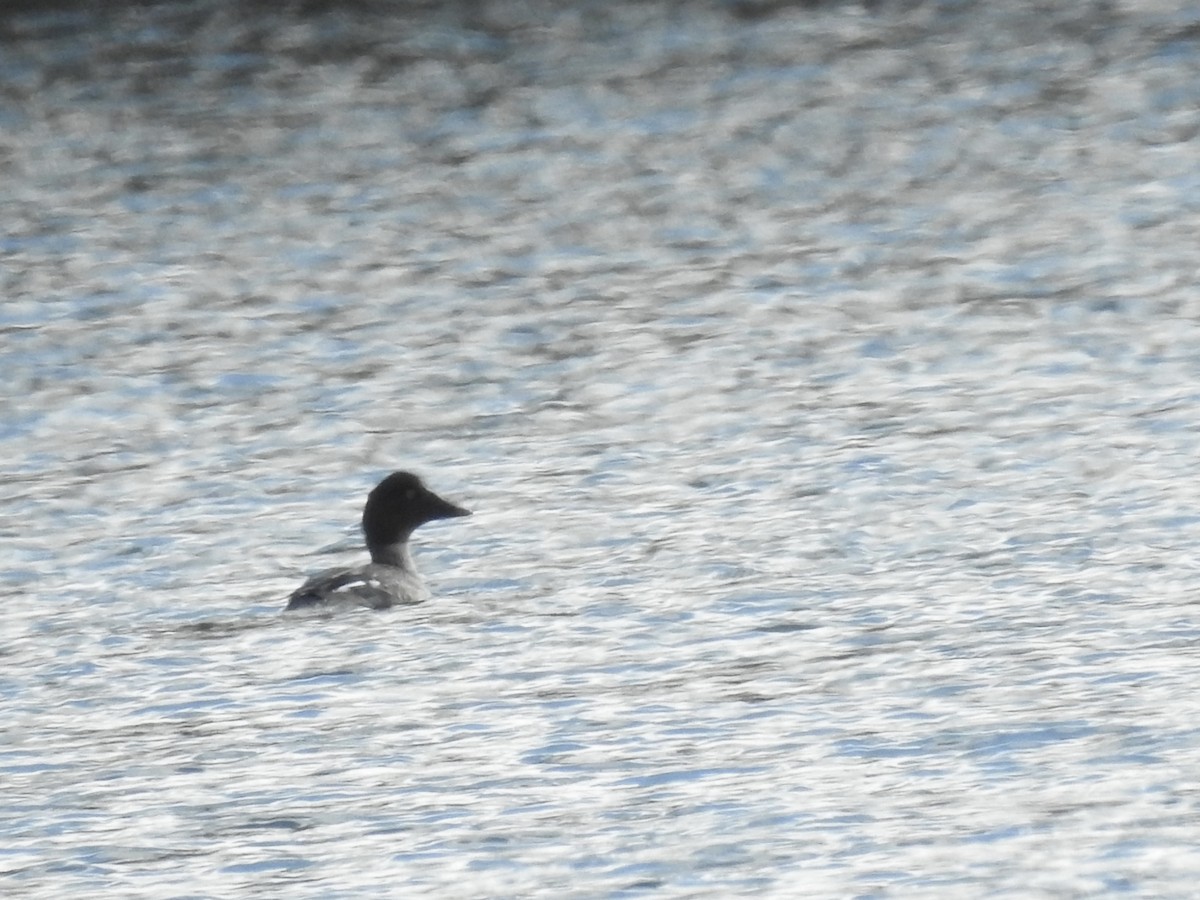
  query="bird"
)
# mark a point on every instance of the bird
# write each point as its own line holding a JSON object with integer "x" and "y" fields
{"x": 395, "y": 508}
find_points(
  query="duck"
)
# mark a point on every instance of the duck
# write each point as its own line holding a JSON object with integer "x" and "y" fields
{"x": 395, "y": 508}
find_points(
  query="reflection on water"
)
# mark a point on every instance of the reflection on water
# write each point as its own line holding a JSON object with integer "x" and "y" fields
{"x": 821, "y": 378}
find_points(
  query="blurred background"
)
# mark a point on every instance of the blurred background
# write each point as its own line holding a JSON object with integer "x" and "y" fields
{"x": 822, "y": 376}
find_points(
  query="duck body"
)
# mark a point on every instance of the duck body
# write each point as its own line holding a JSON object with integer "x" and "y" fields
{"x": 376, "y": 586}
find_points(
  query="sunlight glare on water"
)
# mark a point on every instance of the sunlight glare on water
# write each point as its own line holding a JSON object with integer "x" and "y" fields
{"x": 821, "y": 377}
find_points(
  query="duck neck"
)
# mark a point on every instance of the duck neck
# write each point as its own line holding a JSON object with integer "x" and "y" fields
{"x": 395, "y": 554}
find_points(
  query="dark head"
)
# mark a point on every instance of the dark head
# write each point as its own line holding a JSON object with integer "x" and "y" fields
{"x": 397, "y": 507}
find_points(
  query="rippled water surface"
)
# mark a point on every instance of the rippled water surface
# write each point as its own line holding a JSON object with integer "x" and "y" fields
{"x": 823, "y": 379}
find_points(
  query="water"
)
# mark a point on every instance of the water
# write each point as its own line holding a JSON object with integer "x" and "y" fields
{"x": 823, "y": 381}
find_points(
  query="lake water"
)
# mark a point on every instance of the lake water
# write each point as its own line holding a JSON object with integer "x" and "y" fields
{"x": 824, "y": 381}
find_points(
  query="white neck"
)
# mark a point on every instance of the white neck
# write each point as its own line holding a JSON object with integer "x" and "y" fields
{"x": 394, "y": 555}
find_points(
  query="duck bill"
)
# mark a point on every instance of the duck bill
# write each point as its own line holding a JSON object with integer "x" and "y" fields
{"x": 444, "y": 509}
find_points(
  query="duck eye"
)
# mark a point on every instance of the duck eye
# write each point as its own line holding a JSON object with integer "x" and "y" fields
{"x": 409, "y": 494}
